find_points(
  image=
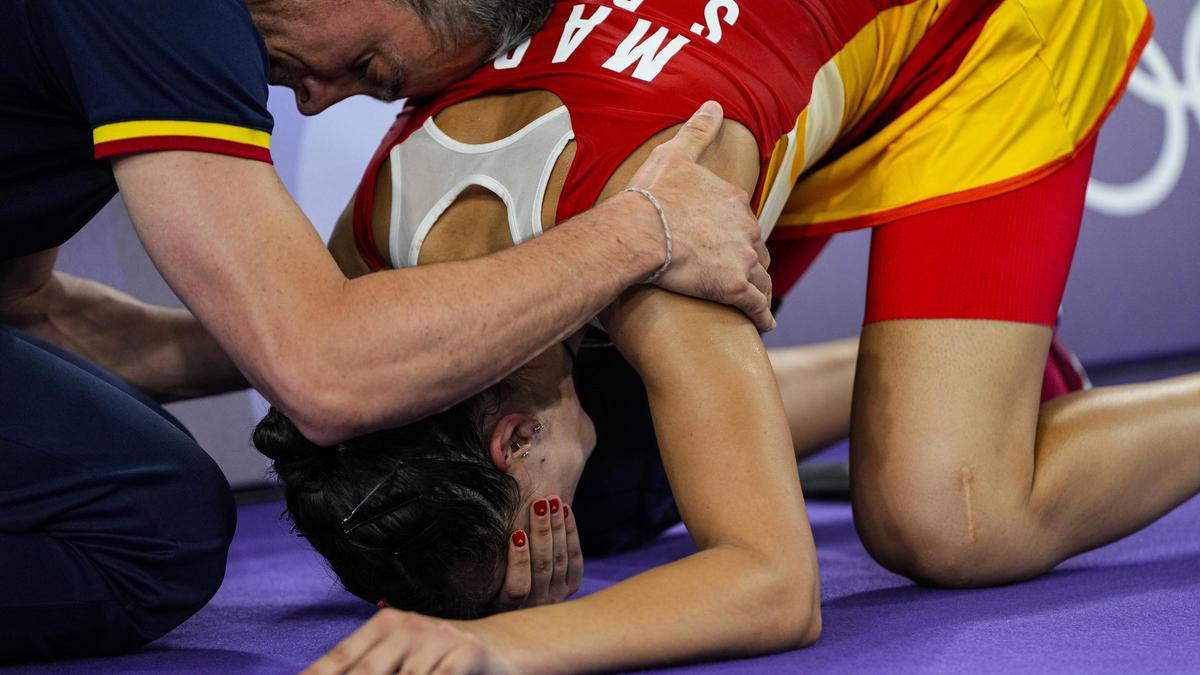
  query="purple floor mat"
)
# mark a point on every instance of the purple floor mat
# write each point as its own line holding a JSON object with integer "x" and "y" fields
{"x": 1130, "y": 607}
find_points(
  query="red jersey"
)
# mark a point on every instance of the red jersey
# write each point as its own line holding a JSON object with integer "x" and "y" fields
{"x": 627, "y": 69}
{"x": 864, "y": 110}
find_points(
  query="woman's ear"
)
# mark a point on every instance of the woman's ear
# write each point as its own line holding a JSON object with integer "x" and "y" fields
{"x": 511, "y": 438}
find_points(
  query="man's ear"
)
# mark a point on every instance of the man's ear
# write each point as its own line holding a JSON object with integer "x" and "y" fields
{"x": 511, "y": 437}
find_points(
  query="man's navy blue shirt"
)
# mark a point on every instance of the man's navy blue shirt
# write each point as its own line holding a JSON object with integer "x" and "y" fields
{"x": 83, "y": 81}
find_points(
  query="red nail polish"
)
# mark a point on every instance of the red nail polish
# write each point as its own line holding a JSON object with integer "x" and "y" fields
{"x": 540, "y": 507}
{"x": 566, "y": 510}
{"x": 381, "y": 604}
{"x": 519, "y": 539}
{"x": 554, "y": 505}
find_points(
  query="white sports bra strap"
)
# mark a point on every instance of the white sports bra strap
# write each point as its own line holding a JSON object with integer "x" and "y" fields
{"x": 516, "y": 169}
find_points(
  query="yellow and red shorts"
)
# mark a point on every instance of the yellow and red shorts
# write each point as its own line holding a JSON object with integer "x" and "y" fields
{"x": 971, "y": 159}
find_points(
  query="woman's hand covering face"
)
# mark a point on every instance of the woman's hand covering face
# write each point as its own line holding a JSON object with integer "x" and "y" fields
{"x": 545, "y": 566}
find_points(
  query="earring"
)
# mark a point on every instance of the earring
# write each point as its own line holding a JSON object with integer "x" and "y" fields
{"x": 516, "y": 446}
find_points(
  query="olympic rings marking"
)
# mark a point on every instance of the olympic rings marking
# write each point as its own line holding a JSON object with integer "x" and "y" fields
{"x": 1155, "y": 82}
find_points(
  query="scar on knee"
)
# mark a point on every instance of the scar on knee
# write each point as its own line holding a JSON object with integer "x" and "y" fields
{"x": 968, "y": 478}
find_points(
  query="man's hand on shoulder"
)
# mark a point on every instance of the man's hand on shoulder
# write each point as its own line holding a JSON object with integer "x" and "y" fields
{"x": 718, "y": 251}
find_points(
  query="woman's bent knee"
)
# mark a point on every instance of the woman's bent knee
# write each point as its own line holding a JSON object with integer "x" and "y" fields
{"x": 941, "y": 539}
{"x": 927, "y": 552}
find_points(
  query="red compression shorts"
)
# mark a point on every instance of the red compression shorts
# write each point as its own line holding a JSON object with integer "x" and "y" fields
{"x": 1004, "y": 257}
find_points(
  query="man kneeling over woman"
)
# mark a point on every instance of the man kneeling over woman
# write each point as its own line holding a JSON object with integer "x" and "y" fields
{"x": 863, "y": 114}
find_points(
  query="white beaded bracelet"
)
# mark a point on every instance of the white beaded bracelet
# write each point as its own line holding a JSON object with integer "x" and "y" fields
{"x": 666, "y": 231}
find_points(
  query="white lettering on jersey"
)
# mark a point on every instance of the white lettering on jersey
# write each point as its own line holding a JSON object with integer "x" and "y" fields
{"x": 628, "y": 5}
{"x": 712, "y": 17}
{"x": 513, "y": 58}
{"x": 576, "y": 31}
{"x": 649, "y": 54}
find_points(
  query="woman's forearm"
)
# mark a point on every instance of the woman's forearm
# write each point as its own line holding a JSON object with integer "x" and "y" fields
{"x": 753, "y": 586}
{"x": 722, "y": 602}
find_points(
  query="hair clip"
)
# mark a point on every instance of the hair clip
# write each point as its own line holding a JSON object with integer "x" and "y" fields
{"x": 347, "y": 528}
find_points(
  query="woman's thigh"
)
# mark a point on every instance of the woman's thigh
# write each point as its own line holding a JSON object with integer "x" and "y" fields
{"x": 943, "y": 428}
{"x": 960, "y": 309}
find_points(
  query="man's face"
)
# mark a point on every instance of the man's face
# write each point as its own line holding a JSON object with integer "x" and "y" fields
{"x": 327, "y": 51}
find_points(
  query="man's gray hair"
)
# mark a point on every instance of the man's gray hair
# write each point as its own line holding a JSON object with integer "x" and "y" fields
{"x": 502, "y": 23}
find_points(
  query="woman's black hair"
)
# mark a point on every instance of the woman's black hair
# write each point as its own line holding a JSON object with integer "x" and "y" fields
{"x": 430, "y": 531}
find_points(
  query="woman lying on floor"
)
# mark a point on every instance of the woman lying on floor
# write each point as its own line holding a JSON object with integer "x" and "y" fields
{"x": 421, "y": 514}
{"x": 962, "y": 132}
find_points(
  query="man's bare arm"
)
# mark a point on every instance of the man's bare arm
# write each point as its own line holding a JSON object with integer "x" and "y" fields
{"x": 344, "y": 357}
{"x": 163, "y": 351}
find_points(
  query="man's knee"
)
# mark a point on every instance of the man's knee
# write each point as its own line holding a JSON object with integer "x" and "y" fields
{"x": 204, "y": 526}
{"x": 142, "y": 550}
{"x": 198, "y": 527}
{"x": 131, "y": 519}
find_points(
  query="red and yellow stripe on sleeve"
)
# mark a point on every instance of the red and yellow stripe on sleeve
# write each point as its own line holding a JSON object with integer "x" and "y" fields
{"x": 124, "y": 138}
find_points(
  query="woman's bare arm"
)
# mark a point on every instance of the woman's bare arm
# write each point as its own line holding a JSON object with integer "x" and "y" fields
{"x": 753, "y": 587}
{"x": 723, "y": 433}
{"x": 725, "y": 441}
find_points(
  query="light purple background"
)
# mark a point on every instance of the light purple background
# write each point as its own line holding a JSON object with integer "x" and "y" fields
{"x": 1134, "y": 290}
